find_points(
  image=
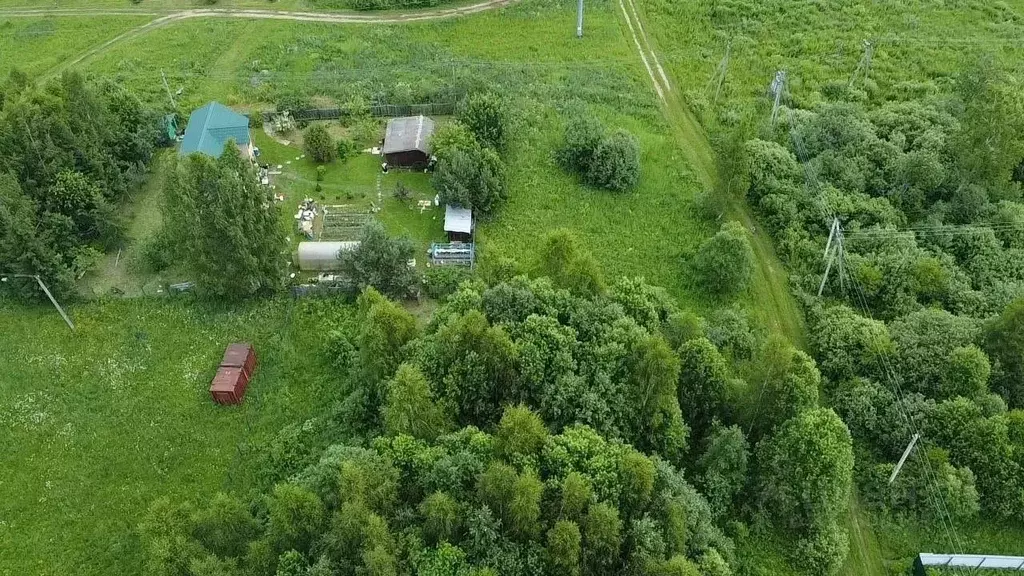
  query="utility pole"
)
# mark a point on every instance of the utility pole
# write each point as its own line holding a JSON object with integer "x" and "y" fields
{"x": 719, "y": 77}
{"x": 579, "y": 19}
{"x": 3, "y": 278}
{"x": 833, "y": 248}
{"x": 776, "y": 89}
{"x": 903, "y": 459}
{"x": 168, "y": 88}
{"x": 864, "y": 66}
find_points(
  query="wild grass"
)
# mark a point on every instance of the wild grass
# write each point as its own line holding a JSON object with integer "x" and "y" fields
{"x": 919, "y": 45}
{"x": 37, "y": 45}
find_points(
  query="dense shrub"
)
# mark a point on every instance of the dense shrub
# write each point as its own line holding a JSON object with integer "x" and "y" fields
{"x": 318, "y": 143}
{"x": 725, "y": 262}
{"x": 604, "y": 160}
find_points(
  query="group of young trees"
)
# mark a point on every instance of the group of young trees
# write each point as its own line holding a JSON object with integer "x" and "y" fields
{"x": 520, "y": 501}
{"x": 470, "y": 172}
{"x": 71, "y": 153}
{"x": 603, "y": 159}
{"x": 222, "y": 226}
{"x": 928, "y": 192}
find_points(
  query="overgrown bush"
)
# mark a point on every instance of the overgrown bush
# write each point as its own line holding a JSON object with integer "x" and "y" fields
{"x": 610, "y": 161}
{"x": 318, "y": 143}
{"x": 725, "y": 262}
{"x": 441, "y": 281}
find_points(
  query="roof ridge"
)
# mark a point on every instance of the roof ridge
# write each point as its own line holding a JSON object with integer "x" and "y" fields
{"x": 205, "y": 125}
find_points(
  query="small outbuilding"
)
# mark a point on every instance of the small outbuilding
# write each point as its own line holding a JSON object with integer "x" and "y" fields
{"x": 322, "y": 256}
{"x": 211, "y": 127}
{"x": 234, "y": 374}
{"x": 407, "y": 142}
{"x": 458, "y": 223}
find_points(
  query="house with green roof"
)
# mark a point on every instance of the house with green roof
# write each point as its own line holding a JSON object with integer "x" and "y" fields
{"x": 210, "y": 127}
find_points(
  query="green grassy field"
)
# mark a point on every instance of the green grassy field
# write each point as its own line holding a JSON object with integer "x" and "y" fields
{"x": 98, "y": 423}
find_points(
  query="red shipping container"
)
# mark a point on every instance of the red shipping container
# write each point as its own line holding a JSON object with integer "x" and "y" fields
{"x": 229, "y": 386}
{"x": 240, "y": 355}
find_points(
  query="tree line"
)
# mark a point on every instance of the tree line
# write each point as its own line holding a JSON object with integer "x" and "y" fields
{"x": 71, "y": 153}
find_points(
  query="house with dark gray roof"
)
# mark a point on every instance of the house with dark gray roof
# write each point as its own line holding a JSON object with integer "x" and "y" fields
{"x": 211, "y": 127}
{"x": 407, "y": 141}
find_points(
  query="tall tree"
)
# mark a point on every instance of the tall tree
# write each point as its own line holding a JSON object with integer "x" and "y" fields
{"x": 1004, "y": 342}
{"x": 224, "y": 226}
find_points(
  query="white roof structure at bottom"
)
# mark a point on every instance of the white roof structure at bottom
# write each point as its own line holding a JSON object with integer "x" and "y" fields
{"x": 458, "y": 219}
{"x": 973, "y": 561}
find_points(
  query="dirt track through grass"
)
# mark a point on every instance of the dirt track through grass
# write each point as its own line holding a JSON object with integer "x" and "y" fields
{"x": 246, "y": 13}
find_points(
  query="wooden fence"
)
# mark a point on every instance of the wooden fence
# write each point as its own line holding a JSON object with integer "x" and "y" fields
{"x": 380, "y": 110}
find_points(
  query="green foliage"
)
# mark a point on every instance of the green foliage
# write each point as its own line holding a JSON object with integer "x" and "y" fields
{"x": 577, "y": 495}
{"x": 224, "y": 226}
{"x": 439, "y": 282}
{"x": 789, "y": 383}
{"x": 847, "y": 343}
{"x": 295, "y": 518}
{"x": 725, "y": 262}
{"x": 409, "y": 407}
{"x": 703, "y": 382}
{"x": 1004, "y": 342}
{"x": 485, "y": 115}
{"x": 563, "y": 548}
{"x": 723, "y": 468}
{"x": 468, "y": 174}
{"x": 615, "y": 164}
{"x": 225, "y": 526}
{"x": 804, "y": 484}
{"x": 604, "y": 160}
{"x": 71, "y": 152}
{"x": 568, "y": 265}
{"x": 318, "y": 144}
{"x": 520, "y": 434}
{"x": 344, "y": 148}
{"x": 380, "y": 261}
{"x": 440, "y": 518}
{"x": 583, "y": 134}
{"x": 524, "y": 508}
{"x": 602, "y": 537}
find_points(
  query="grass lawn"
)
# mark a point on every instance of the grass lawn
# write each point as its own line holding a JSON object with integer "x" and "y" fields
{"x": 99, "y": 423}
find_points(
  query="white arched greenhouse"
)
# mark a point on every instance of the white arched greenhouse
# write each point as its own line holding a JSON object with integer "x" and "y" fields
{"x": 322, "y": 256}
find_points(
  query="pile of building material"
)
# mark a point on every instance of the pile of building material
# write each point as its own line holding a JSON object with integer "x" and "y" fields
{"x": 305, "y": 216}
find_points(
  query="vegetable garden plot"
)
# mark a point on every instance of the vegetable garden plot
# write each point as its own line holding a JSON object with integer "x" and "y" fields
{"x": 343, "y": 223}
